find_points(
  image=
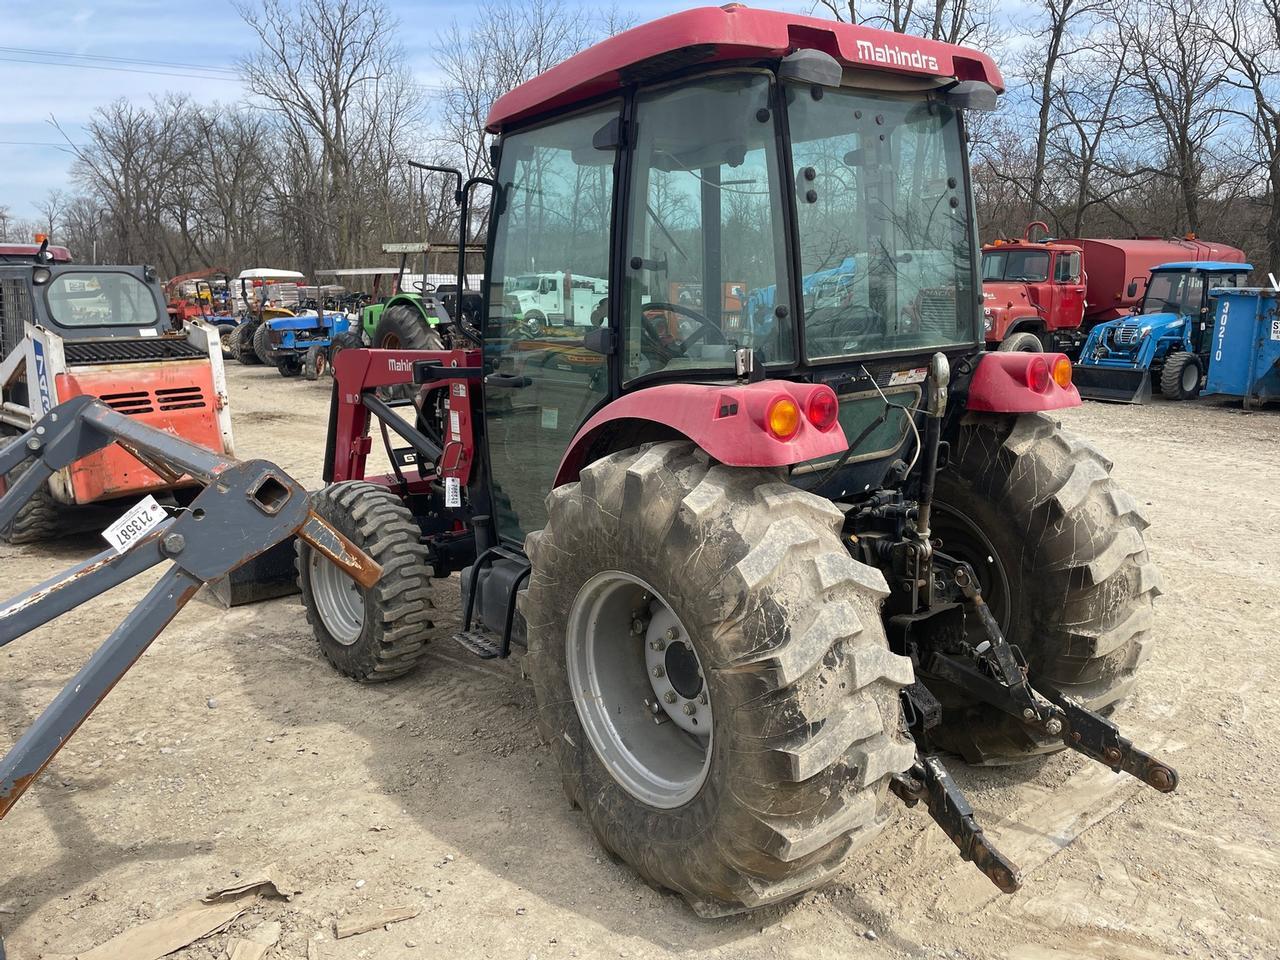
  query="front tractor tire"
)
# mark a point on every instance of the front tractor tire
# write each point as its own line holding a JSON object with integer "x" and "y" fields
{"x": 378, "y": 633}
{"x": 1181, "y": 377}
{"x": 712, "y": 675}
{"x": 1060, "y": 557}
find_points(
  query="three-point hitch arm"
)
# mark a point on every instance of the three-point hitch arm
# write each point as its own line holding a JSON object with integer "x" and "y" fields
{"x": 244, "y": 509}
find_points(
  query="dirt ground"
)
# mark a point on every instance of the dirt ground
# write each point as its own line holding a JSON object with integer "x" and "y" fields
{"x": 232, "y": 744}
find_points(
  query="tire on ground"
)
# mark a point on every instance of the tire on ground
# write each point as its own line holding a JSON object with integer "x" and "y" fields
{"x": 1078, "y": 587}
{"x": 1021, "y": 342}
{"x": 244, "y": 343}
{"x": 397, "y": 611}
{"x": 315, "y": 363}
{"x": 262, "y": 344}
{"x": 1176, "y": 367}
{"x": 40, "y": 518}
{"x": 226, "y": 338}
{"x": 803, "y": 688}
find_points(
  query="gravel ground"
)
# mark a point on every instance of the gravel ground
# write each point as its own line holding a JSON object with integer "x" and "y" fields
{"x": 232, "y": 744}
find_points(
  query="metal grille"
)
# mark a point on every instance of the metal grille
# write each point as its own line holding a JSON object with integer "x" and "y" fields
{"x": 15, "y": 312}
{"x": 1126, "y": 334}
{"x": 80, "y": 352}
{"x": 133, "y": 402}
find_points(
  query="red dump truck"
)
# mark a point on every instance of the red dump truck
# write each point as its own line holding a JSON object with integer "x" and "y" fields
{"x": 1047, "y": 293}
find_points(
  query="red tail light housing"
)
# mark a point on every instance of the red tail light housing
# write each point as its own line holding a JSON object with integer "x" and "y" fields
{"x": 823, "y": 408}
{"x": 1038, "y": 376}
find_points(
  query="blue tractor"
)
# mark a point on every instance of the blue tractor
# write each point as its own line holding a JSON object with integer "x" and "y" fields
{"x": 1166, "y": 339}
{"x": 304, "y": 344}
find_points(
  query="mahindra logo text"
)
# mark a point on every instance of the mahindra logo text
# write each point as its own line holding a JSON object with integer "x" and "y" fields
{"x": 884, "y": 53}
{"x": 400, "y": 365}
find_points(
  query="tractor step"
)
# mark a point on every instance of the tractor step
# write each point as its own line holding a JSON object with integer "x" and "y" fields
{"x": 480, "y": 642}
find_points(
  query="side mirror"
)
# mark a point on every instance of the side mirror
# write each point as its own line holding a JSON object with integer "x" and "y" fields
{"x": 1133, "y": 289}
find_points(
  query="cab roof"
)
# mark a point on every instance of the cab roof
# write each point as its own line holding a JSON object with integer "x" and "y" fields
{"x": 1208, "y": 266}
{"x": 20, "y": 252}
{"x": 710, "y": 35}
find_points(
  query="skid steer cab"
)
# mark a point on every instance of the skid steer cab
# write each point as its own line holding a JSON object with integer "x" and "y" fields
{"x": 69, "y": 330}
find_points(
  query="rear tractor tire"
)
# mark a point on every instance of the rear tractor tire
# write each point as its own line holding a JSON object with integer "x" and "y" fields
{"x": 1060, "y": 557}
{"x": 712, "y": 675}
{"x": 244, "y": 343}
{"x": 262, "y": 345}
{"x": 226, "y": 340}
{"x": 381, "y": 632}
{"x": 403, "y": 327}
{"x": 1021, "y": 342}
{"x": 1181, "y": 377}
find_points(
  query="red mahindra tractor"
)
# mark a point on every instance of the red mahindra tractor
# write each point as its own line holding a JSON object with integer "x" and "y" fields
{"x": 763, "y": 572}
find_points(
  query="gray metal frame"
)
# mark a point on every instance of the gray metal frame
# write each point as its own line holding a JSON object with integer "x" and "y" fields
{"x": 244, "y": 509}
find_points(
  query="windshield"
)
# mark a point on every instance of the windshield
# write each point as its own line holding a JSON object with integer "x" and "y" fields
{"x": 1022, "y": 265}
{"x": 1182, "y": 291}
{"x": 883, "y": 219}
{"x": 705, "y": 248}
{"x": 85, "y": 298}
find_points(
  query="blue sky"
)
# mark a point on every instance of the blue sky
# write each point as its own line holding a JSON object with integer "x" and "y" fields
{"x": 206, "y": 33}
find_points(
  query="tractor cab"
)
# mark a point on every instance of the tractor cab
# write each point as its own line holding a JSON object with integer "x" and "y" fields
{"x": 805, "y": 217}
{"x": 1164, "y": 342}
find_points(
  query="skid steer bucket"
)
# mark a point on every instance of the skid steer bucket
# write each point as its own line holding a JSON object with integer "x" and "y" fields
{"x": 1116, "y": 384}
{"x": 244, "y": 510}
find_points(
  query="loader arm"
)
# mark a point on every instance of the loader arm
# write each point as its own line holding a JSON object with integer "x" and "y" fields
{"x": 244, "y": 509}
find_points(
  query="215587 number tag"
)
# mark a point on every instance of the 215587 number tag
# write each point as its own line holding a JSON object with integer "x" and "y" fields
{"x": 134, "y": 526}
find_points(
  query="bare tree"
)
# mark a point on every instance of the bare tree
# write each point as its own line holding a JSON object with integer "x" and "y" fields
{"x": 1248, "y": 33}
{"x": 331, "y": 73}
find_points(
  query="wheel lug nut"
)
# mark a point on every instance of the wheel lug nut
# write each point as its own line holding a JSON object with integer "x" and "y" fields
{"x": 637, "y": 627}
{"x": 669, "y": 696}
{"x": 690, "y": 709}
{"x": 658, "y": 671}
{"x": 672, "y": 633}
{"x": 702, "y": 698}
{"x": 658, "y": 645}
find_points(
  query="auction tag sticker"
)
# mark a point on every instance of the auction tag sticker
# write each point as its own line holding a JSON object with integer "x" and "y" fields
{"x": 135, "y": 525}
{"x": 452, "y": 492}
{"x": 1275, "y": 329}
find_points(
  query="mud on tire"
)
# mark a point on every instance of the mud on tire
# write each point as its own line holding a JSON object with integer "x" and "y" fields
{"x": 395, "y": 615}
{"x": 262, "y": 345}
{"x": 804, "y": 691}
{"x": 1064, "y": 567}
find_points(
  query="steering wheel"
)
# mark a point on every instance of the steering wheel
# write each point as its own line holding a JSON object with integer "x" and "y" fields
{"x": 681, "y": 345}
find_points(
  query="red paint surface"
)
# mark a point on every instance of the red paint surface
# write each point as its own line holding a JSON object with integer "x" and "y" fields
{"x": 999, "y": 385}
{"x": 142, "y": 392}
{"x": 357, "y": 371}
{"x": 739, "y": 439}
{"x": 738, "y": 33}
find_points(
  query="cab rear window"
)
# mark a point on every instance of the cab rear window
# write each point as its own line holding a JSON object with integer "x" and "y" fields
{"x": 100, "y": 299}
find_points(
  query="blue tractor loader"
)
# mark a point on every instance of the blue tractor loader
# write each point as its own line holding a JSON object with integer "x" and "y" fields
{"x": 1166, "y": 340}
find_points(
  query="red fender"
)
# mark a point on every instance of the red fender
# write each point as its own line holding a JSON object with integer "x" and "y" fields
{"x": 728, "y": 422}
{"x": 1002, "y": 384}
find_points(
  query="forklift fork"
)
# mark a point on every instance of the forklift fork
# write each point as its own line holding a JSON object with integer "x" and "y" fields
{"x": 244, "y": 509}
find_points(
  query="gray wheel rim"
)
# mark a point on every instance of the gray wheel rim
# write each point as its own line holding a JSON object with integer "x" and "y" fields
{"x": 975, "y": 548}
{"x": 338, "y": 600}
{"x": 650, "y": 726}
{"x": 1190, "y": 377}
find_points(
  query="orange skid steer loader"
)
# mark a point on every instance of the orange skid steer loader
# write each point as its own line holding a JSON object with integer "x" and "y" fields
{"x": 68, "y": 330}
